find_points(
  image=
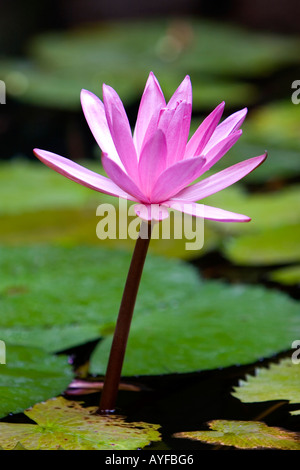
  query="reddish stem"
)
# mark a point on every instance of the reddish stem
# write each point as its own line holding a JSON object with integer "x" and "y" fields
{"x": 118, "y": 347}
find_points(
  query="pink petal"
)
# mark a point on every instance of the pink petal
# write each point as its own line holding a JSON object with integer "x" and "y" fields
{"x": 151, "y": 103}
{"x": 220, "y": 180}
{"x": 152, "y": 161}
{"x": 121, "y": 178}
{"x": 202, "y": 135}
{"x": 151, "y": 211}
{"x": 228, "y": 126}
{"x": 175, "y": 177}
{"x": 94, "y": 112}
{"x": 177, "y": 132}
{"x": 219, "y": 150}
{"x": 120, "y": 130}
{"x": 206, "y": 212}
{"x": 81, "y": 175}
{"x": 164, "y": 119}
{"x": 183, "y": 93}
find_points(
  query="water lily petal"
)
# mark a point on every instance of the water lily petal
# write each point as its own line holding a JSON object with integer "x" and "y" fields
{"x": 219, "y": 150}
{"x": 122, "y": 179}
{"x": 120, "y": 130}
{"x": 204, "y": 132}
{"x": 151, "y": 103}
{"x": 220, "y": 180}
{"x": 183, "y": 93}
{"x": 177, "y": 132}
{"x": 229, "y": 125}
{"x": 94, "y": 112}
{"x": 206, "y": 212}
{"x": 176, "y": 177}
{"x": 151, "y": 211}
{"x": 81, "y": 175}
{"x": 152, "y": 161}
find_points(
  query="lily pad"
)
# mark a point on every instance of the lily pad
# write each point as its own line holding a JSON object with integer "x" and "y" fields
{"x": 288, "y": 276}
{"x": 268, "y": 210}
{"x": 245, "y": 435}
{"x": 73, "y": 294}
{"x": 283, "y": 160}
{"x": 66, "y": 425}
{"x": 69, "y": 292}
{"x": 277, "y": 123}
{"x": 278, "y": 382}
{"x": 214, "y": 327}
{"x": 31, "y": 375}
{"x": 269, "y": 247}
{"x": 30, "y": 186}
{"x": 52, "y": 339}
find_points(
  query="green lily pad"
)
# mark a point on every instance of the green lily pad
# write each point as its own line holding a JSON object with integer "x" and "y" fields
{"x": 54, "y": 338}
{"x": 73, "y": 294}
{"x": 271, "y": 246}
{"x": 30, "y": 375}
{"x": 288, "y": 276}
{"x": 278, "y": 382}
{"x": 73, "y": 291}
{"x": 245, "y": 435}
{"x": 65, "y": 425}
{"x": 276, "y": 123}
{"x": 228, "y": 317}
{"x": 281, "y": 163}
{"x": 30, "y": 186}
{"x": 267, "y": 210}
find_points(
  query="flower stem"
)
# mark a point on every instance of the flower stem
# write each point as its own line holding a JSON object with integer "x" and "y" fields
{"x": 118, "y": 347}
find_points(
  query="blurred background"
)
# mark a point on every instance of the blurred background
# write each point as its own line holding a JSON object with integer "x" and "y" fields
{"x": 243, "y": 52}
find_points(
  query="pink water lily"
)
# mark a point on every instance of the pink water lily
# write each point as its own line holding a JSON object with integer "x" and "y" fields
{"x": 157, "y": 164}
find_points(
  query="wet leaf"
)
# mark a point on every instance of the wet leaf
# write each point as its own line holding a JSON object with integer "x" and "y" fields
{"x": 63, "y": 424}
{"x": 245, "y": 435}
{"x": 30, "y": 375}
{"x": 278, "y": 382}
